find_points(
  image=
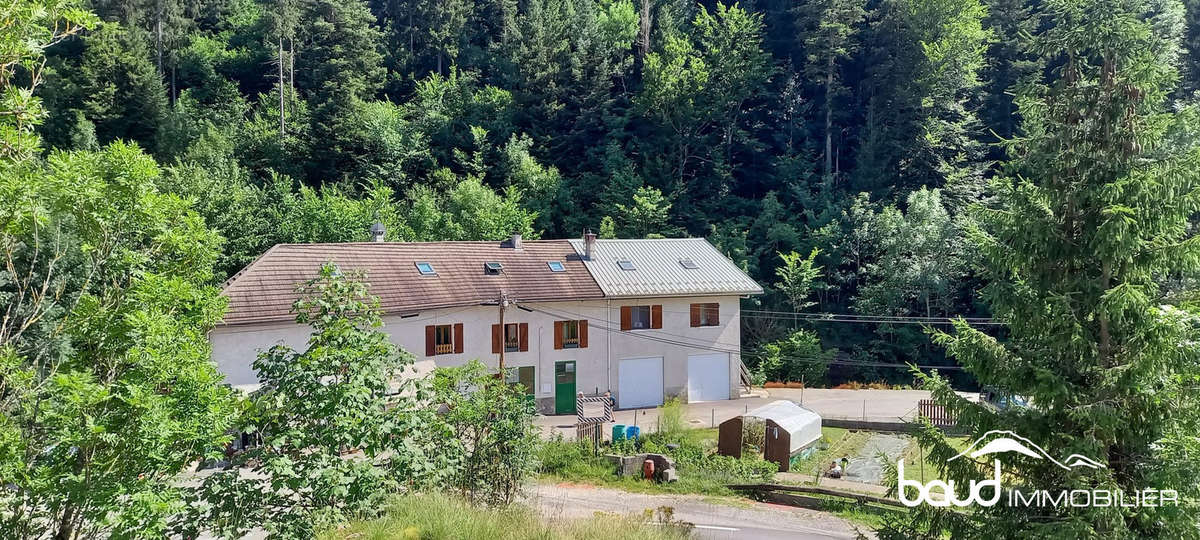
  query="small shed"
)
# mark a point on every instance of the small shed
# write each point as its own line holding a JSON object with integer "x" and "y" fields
{"x": 789, "y": 427}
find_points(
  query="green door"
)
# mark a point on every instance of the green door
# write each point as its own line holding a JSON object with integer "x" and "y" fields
{"x": 564, "y": 387}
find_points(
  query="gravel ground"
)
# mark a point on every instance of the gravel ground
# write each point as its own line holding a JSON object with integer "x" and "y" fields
{"x": 866, "y": 467}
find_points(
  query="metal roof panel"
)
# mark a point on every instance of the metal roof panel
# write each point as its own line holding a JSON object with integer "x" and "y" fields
{"x": 658, "y": 269}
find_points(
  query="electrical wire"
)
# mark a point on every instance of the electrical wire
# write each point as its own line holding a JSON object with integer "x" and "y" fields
{"x": 806, "y": 358}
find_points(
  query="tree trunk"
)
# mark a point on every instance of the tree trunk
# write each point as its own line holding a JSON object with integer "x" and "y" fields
{"x": 644, "y": 30}
{"x": 282, "y": 124}
{"x": 829, "y": 117}
{"x": 66, "y": 526}
{"x": 292, "y": 65}
{"x": 158, "y": 15}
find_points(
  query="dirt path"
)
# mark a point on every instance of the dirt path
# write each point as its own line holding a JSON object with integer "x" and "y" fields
{"x": 713, "y": 517}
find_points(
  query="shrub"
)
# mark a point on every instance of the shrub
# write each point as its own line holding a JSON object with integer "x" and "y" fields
{"x": 497, "y": 442}
{"x": 670, "y": 418}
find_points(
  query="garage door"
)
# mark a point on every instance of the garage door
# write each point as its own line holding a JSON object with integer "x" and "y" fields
{"x": 708, "y": 377}
{"x": 641, "y": 383}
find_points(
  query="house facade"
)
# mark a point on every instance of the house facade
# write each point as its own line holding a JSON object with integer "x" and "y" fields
{"x": 665, "y": 323}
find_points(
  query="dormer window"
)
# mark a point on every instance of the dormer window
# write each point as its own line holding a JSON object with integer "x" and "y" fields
{"x": 492, "y": 268}
{"x": 425, "y": 269}
{"x": 626, "y": 265}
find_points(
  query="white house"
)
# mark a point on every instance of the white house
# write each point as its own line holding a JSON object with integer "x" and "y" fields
{"x": 644, "y": 319}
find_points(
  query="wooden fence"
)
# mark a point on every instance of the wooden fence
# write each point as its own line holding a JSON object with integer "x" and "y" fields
{"x": 936, "y": 414}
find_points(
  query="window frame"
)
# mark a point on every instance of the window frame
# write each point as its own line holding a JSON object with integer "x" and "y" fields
{"x": 707, "y": 314}
{"x": 570, "y": 334}
{"x": 437, "y": 339}
{"x": 516, "y": 337}
{"x": 633, "y": 317}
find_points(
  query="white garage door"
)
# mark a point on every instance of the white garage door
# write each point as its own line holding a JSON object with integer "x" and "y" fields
{"x": 641, "y": 383}
{"x": 708, "y": 377}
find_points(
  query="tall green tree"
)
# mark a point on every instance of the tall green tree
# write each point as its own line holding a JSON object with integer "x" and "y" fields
{"x": 1092, "y": 215}
{"x": 351, "y": 390}
{"x": 829, "y": 29}
{"x": 108, "y": 388}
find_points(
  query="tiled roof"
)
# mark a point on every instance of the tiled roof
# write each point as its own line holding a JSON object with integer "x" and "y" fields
{"x": 265, "y": 290}
{"x": 659, "y": 268}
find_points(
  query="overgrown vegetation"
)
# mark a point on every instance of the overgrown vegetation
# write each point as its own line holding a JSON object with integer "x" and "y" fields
{"x": 149, "y": 150}
{"x": 340, "y": 425}
{"x": 701, "y": 470}
{"x": 433, "y": 517}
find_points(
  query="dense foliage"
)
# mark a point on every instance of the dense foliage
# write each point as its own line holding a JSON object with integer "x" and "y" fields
{"x": 766, "y": 126}
{"x": 1082, "y": 250}
{"x": 339, "y": 426}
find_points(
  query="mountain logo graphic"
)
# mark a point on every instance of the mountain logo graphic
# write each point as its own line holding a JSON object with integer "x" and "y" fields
{"x": 1004, "y": 441}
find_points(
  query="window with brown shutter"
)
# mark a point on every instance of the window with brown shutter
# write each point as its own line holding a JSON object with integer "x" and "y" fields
{"x": 523, "y": 339}
{"x": 439, "y": 339}
{"x": 497, "y": 340}
{"x": 512, "y": 337}
{"x": 640, "y": 317}
{"x": 707, "y": 314}
{"x": 570, "y": 334}
{"x": 458, "y": 338}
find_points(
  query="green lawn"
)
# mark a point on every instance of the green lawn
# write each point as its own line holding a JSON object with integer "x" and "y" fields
{"x": 918, "y": 466}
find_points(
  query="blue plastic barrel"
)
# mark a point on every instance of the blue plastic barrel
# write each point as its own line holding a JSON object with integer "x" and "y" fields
{"x": 618, "y": 432}
{"x": 632, "y": 432}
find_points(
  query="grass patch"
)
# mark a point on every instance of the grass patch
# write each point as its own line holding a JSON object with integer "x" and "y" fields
{"x": 913, "y": 459}
{"x": 835, "y": 443}
{"x": 437, "y": 517}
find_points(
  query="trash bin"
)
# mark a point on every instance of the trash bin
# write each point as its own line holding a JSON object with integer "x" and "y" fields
{"x": 618, "y": 432}
{"x": 632, "y": 432}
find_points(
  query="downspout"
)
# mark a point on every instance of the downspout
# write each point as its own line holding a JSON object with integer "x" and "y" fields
{"x": 540, "y": 368}
{"x": 608, "y": 344}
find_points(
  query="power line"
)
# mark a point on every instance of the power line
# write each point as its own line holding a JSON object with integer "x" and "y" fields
{"x": 861, "y": 319}
{"x": 853, "y": 315}
{"x": 757, "y": 355}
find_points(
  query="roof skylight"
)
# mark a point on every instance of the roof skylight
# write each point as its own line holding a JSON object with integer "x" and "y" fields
{"x": 425, "y": 269}
{"x": 556, "y": 266}
{"x": 626, "y": 265}
{"x": 689, "y": 264}
{"x": 492, "y": 268}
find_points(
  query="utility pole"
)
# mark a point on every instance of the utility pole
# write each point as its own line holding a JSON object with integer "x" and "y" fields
{"x": 504, "y": 301}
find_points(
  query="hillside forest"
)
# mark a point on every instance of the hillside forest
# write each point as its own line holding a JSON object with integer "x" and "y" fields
{"x": 832, "y": 148}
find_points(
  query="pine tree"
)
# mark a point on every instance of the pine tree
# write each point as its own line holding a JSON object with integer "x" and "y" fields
{"x": 1091, "y": 217}
{"x": 829, "y": 30}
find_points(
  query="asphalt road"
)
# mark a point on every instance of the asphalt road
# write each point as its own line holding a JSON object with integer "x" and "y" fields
{"x": 712, "y": 518}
